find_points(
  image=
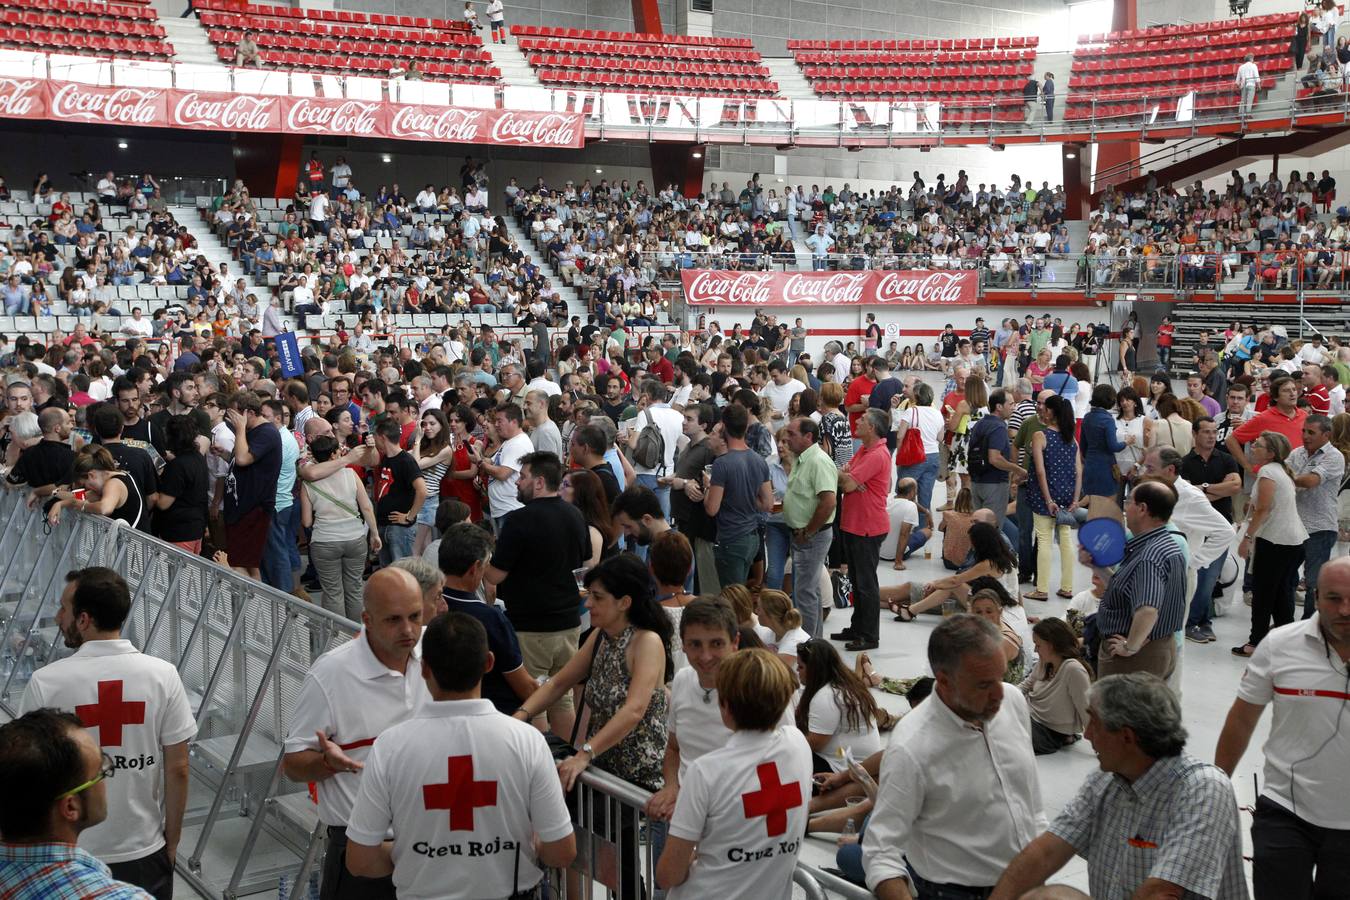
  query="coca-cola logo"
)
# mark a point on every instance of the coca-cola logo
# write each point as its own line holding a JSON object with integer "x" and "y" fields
{"x": 456, "y": 125}
{"x": 347, "y": 117}
{"x": 923, "y": 287}
{"x": 237, "y": 113}
{"x": 839, "y": 287}
{"x": 17, "y": 97}
{"x": 537, "y": 129}
{"x": 125, "y": 106}
{"x": 730, "y": 287}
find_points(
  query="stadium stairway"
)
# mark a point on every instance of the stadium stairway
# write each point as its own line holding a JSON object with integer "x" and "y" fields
{"x": 515, "y": 68}
{"x": 189, "y": 41}
{"x": 208, "y": 244}
{"x": 1328, "y": 319}
{"x": 575, "y": 306}
{"x": 792, "y": 84}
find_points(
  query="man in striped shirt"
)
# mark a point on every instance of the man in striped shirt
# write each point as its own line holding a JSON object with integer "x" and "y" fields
{"x": 1145, "y": 600}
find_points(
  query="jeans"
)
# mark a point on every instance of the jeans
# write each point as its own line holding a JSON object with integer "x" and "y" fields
{"x": 662, "y": 493}
{"x": 925, "y": 473}
{"x": 1203, "y": 601}
{"x": 849, "y": 856}
{"x": 1316, "y": 552}
{"x": 777, "y": 541}
{"x": 863, "y": 555}
{"x": 281, "y": 559}
{"x": 705, "y": 567}
{"x": 734, "y": 556}
{"x": 1026, "y": 544}
{"x": 1286, "y": 851}
{"x": 398, "y": 543}
{"x": 1274, "y": 569}
{"x": 1164, "y": 357}
{"x": 340, "y": 566}
{"x": 807, "y": 560}
{"x": 1045, "y": 529}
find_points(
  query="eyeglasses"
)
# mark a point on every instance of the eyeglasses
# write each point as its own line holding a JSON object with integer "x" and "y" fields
{"x": 106, "y": 771}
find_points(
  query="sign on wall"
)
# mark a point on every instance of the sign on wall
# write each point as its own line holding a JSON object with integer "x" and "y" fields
{"x": 705, "y": 287}
{"x": 69, "y": 101}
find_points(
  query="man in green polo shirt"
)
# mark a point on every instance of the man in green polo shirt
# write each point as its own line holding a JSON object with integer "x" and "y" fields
{"x": 808, "y": 509}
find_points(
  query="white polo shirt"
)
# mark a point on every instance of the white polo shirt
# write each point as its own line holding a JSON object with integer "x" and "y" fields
{"x": 745, "y": 805}
{"x": 353, "y": 698}
{"x": 695, "y": 718}
{"x": 1293, "y": 668}
{"x": 134, "y": 705}
{"x": 465, "y": 789}
{"x": 502, "y": 494}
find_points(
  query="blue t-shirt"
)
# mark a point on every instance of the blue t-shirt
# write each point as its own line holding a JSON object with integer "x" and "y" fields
{"x": 502, "y": 641}
{"x": 991, "y": 433}
{"x": 255, "y": 486}
{"x": 739, "y": 473}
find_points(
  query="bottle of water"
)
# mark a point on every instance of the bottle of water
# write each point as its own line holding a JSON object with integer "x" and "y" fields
{"x": 314, "y": 883}
{"x": 284, "y": 888}
{"x": 850, "y": 828}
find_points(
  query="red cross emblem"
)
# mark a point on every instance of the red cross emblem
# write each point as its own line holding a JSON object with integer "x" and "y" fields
{"x": 772, "y": 800}
{"x": 110, "y": 713}
{"x": 460, "y": 794}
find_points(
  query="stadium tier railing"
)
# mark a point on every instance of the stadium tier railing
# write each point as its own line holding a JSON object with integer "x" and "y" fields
{"x": 242, "y": 650}
{"x": 868, "y": 119}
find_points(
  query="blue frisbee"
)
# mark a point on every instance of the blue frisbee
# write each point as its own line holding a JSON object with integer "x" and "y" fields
{"x": 1104, "y": 539}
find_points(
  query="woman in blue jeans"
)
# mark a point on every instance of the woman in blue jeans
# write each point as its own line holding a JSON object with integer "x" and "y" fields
{"x": 929, "y": 422}
{"x": 778, "y": 537}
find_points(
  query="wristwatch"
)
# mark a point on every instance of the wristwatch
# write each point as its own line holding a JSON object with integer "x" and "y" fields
{"x": 586, "y": 748}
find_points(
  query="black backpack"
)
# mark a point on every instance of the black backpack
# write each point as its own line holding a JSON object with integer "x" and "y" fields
{"x": 977, "y": 455}
{"x": 650, "y": 452}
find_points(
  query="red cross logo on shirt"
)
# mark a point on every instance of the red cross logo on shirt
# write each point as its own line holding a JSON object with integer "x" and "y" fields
{"x": 460, "y": 794}
{"x": 772, "y": 800}
{"x": 110, "y": 713}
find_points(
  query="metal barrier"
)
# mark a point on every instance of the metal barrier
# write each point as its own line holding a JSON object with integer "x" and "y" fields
{"x": 242, "y": 650}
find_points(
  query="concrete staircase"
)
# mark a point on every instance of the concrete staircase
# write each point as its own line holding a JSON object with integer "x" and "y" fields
{"x": 208, "y": 244}
{"x": 515, "y": 68}
{"x": 791, "y": 82}
{"x": 190, "y": 44}
{"x": 575, "y": 306}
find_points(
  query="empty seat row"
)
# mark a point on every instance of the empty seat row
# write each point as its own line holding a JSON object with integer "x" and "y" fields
{"x": 371, "y": 48}
{"x": 665, "y": 84}
{"x": 1115, "y": 110}
{"x": 1160, "y": 31}
{"x": 933, "y": 85}
{"x": 1165, "y": 95}
{"x": 920, "y": 44}
{"x": 1168, "y": 77}
{"x": 590, "y": 34}
{"x": 647, "y": 65}
{"x": 910, "y": 58}
{"x": 329, "y": 15}
{"x": 85, "y": 7}
{"x": 982, "y": 92}
{"x": 1225, "y": 39}
{"x": 365, "y": 65}
{"x": 268, "y": 24}
{"x": 1265, "y": 54}
{"x": 80, "y": 22}
{"x": 103, "y": 44}
{"x": 642, "y": 51}
{"x": 911, "y": 71}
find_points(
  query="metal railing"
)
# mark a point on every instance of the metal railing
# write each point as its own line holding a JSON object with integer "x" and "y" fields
{"x": 242, "y": 650}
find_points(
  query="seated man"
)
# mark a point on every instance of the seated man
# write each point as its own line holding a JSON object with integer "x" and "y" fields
{"x": 246, "y": 53}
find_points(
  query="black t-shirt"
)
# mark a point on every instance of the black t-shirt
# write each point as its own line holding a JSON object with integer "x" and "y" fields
{"x": 159, "y": 420}
{"x": 691, "y": 518}
{"x": 502, "y": 641}
{"x": 255, "y": 486}
{"x": 949, "y": 343}
{"x": 540, "y": 544}
{"x": 394, "y": 489}
{"x": 614, "y": 410}
{"x": 138, "y": 432}
{"x": 138, "y": 464}
{"x": 1220, "y": 465}
{"x": 607, "y": 481}
{"x": 188, "y": 481}
{"x": 44, "y": 463}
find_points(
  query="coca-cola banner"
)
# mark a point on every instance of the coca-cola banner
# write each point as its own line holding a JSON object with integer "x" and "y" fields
{"x": 712, "y": 287}
{"x": 215, "y": 111}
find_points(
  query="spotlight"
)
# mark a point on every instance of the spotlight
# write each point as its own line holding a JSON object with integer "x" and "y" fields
{"x": 599, "y": 171}
{"x": 121, "y": 145}
{"x": 386, "y": 158}
{"x": 697, "y": 155}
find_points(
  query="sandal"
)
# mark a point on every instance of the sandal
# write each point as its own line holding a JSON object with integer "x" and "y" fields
{"x": 905, "y": 614}
{"x": 1036, "y": 595}
{"x": 1063, "y": 594}
{"x": 869, "y": 674}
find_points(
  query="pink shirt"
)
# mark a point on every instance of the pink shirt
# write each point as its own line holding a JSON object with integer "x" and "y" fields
{"x": 865, "y": 510}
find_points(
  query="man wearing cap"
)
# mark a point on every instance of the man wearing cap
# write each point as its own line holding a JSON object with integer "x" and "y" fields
{"x": 349, "y": 697}
{"x": 472, "y": 796}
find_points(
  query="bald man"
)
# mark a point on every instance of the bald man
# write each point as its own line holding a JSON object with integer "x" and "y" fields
{"x": 350, "y": 695}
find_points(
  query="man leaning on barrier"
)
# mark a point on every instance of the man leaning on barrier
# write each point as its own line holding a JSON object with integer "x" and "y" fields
{"x": 472, "y": 795}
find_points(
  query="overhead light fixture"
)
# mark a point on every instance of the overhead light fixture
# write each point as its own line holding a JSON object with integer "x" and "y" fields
{"x": 121, "y": 145}
{"x": 386, "y": 158}
{"x": 1070, "y": 155}
{"x": 697, "y": 155}
{"x": 599, "y": 171}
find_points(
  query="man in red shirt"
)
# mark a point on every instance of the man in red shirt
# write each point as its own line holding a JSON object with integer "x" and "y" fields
{"x": 1283, "y": 416}
{"x": 855, "y": 399}
{"x": 1315, "y": 393}
{"x": 658, "y": 365}
{"x": 1165, "y": 332}
{"x": 863, "y": 486}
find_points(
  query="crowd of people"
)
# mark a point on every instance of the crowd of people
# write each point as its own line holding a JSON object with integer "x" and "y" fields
{"x": 632, "y": 543}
